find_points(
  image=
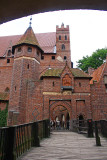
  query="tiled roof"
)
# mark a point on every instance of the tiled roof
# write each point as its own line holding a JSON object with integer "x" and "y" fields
{"x": 52, "y": 73}
{"x": 77, "y": 73}
{"x": 97, "y": 73}
{"x": 46, "y": 41}
{"x": 28, "y": 38}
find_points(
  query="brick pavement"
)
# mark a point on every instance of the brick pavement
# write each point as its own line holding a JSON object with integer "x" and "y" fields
{"x": 68, "y": 146}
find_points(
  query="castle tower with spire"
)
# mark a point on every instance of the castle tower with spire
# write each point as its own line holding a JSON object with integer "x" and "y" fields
{"x": 41, "y": 83}
{"x": 27, "y": 53}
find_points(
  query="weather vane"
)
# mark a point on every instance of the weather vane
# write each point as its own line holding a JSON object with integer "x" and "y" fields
{"x": 30, "y": 21}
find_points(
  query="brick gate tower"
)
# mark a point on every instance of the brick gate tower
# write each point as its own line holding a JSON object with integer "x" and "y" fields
{"x": 27, "y": 53}
{"x": 63, "y": 43}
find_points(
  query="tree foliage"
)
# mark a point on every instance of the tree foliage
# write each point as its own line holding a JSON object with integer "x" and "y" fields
{"x": 95, "y": 60}
{"x": 3, "y": 116}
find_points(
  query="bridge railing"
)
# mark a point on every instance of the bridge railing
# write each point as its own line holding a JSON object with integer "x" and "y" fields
{"x": 102, "y": 127}
{"x": 16, "y": 140}
{"x": 80, "y": 125}
{"x": 83, "y": 126}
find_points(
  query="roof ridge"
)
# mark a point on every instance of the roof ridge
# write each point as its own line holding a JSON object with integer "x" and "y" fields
{"x": 98, "y": 73}
{"x": 102, "y": 70}
{"x": 22, "y": 34}
{"x": 28, "y": 37}
{"x": 58, "y": 71}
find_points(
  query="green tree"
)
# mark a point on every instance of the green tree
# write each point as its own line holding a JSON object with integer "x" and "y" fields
{"x": 3, "y": 116}
{"x": 95, "y": 60}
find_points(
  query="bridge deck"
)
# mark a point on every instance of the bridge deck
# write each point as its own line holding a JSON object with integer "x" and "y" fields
{"x": 68, "y": 146}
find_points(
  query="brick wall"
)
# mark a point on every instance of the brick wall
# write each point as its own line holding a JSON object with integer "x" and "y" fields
{"x": 51, "y": 85}
{"x": 25, "y": 69}
{"x": 99, "y": 97}
{"x": 82, "y": 85}
{"x": 5, "y": 74}
{"x": 30, "y": 97}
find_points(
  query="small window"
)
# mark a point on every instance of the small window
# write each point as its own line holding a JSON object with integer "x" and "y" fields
{"x": 53, "y": 57}
{"x": 65, "y": 57}
{"x": 42, "y": 57}
{"x": 15, "y": 88}
{"x": 53, "y": 83}
{"x": 7, "y": 89}
{"x": 59, "y": 37}
{"x": 19, "y": 49}
{"x": 63, "y": 47}
{"x": 65, "y": 37}
{"x": 106, "y": 87}
{"x": 79, "y": 84}
{"x": 29, "y": 49}
{"x": 9, "y": 53}
{"x": 37, "y": 53}
{"x": 8, "y": 60}
{"x": 12, "y": 54}
{"x": 28, "y": 66}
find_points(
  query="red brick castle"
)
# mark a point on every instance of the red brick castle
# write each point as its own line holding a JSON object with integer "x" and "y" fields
{"x": 39, "y": 82}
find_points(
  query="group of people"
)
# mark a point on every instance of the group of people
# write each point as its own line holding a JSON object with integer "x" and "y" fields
{"x": 59, "y": 125}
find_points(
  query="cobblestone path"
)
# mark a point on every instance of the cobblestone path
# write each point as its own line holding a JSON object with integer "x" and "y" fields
{"x": 67, "y": 146}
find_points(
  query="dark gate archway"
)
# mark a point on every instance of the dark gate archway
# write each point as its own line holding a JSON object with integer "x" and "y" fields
{"x": 60, "y": 108}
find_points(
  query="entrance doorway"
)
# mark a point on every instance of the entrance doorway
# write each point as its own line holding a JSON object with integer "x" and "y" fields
{"x": 60, "y": 116}
{"x": 67, "y": 121}
{"x": 81, "y": 120}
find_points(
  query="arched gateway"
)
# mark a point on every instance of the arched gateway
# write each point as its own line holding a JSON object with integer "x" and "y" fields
{"x": 61, "y": 110}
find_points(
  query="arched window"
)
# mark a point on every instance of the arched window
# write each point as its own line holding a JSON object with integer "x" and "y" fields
{"x": 9, "y": 53}
{"x": 15, "y": 88}
{"x": 81, "y": 120}
{"x": 37, "y": 53}
{"x": 59, "y": 37}
{"x": 42, "y": 57}
{"x": 53, "y": 83}
{"x": 65, "y": 37}
{"x": 7, "y": 89}
{"x": 29, "y": 49}
{"x": 28, "y": 66}
{"x": 63, "y": 47}
{"x": 19, "y": 49}
{"x": 65, "y": 58}
{"x": 79, "y": 84}
{"x": 8, "y": 60}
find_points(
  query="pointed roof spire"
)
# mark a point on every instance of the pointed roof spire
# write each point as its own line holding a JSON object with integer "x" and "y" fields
{"x": 30, "y": 21}
{"x": 62, "y": 25}
{"x": 28, "y": 38}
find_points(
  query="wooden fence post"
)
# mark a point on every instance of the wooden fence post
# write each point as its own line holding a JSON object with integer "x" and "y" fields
{"x": 90, "y": 128}
{"x": 44, "y": 132}
{"x": 10, "y": 153}
{"x": 35, "y": 138}
{"x": 98, "y": 143}
{"x": 47, "y": 128}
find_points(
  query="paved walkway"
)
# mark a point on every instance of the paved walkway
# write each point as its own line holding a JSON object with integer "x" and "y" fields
{"x": 68, "y": 146}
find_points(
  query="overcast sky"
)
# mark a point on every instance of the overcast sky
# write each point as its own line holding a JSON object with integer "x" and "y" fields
{"x": 88, "y": 29}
